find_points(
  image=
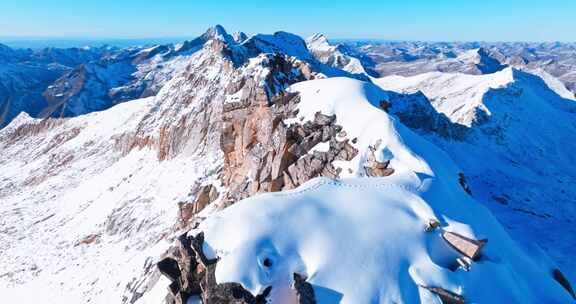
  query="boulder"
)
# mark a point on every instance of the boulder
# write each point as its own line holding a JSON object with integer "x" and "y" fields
{"x": 432, "y": 225}
{"x": 169, "y": 268}
{"x": 375, "y": 168}
{"x": 304, "y": 290}
{"x": 446, "y": 296}
{"x": 193, "y": 275}
{"x": 466, "y": 246}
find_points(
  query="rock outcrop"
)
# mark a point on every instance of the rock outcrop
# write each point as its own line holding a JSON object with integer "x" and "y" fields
{"x": 264, "y": 154}
{"x": 193, "y": 275}
{"x": 304, "y": 290}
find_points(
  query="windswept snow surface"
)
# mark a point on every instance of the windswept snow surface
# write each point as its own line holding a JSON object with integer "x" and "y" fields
{"x": 554, "y": 83}
{"x": 362, "y": 240}
{"x": 517, "y": 153}
{"x": 454, "y": 94}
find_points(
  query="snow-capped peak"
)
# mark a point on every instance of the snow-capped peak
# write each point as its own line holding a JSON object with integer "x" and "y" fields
{"x": 217, "y": 32}
{"x": 279, "y": 42}
{"x": 483, "y": 60}
{"x": 336, "y": 56}
{"x": 318, "y": 42}
{"x": 239, "y": 36}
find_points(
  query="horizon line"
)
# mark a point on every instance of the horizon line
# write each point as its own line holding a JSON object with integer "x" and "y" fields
{"x": 80, "y": 38}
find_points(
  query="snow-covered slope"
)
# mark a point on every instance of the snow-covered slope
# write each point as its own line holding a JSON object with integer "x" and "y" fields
{"x": 517, "y": 150}
{"x": 466, "y": 99}
{"x": 70, "y": 82}
{"x": 474, "y": 62}
{"x": 553, "y": 83}
{"x": 82, "y": 222}
{"x": 334, "y": 55}
{"x": 409, "y": 58}
{"x": 362, "y": 240}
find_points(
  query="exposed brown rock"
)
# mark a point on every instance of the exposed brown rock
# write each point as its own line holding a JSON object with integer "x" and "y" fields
{"x": 205, "y": 195}
{"x": 466, "y": 246}
{"x": 432, "y": 225}
{"x": 263, "y": 154}
{"x": 446, "y": 296}
{"x": 188, "y": 264}
{"x": 33, "y": 128}
{"x": 89, "y": 239}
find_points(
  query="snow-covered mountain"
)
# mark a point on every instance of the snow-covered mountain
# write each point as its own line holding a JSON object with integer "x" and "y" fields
{"x": 161, "y": 155}
{"x": 516, "y": 139}
{"x": 25, "y": 74}
{"x": 337, "y": 56}
{"x": 124, "y": 75}
{"x": 412, "y": 58}
{"x": 474, "y": 62}
{"x": 335, "y": 233}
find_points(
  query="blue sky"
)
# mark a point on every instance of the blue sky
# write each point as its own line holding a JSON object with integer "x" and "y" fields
{"x": 448, "y": 20}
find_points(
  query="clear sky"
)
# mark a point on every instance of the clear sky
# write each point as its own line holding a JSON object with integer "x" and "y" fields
{"x": 447, "y": 20}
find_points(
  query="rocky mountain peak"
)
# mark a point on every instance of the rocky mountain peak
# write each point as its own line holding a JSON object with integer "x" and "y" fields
{"x": 217, "y": 32}
{"x": 487, "y": 63}
{"x": 239, "y": 36}
{"x": 279, "y": 42}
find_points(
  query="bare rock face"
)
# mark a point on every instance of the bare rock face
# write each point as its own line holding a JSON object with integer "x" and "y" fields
{"x": 416, "y": 112}
{"x": 193, "y": 275}
{"x": 263, "y": 154}
{"x": 204, "y": 196}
